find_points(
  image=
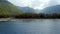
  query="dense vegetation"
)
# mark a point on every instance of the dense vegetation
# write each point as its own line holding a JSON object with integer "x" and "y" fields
{"x": 31, "y": 15}
{"x": 38, "y": 16}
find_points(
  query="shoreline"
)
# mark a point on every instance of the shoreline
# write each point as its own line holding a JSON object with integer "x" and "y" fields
{"x": 29, "y": 18}
{"x": 14, "y": 19}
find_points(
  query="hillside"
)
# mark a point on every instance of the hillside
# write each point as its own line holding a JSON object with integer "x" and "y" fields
{"x": 8, "y": 9}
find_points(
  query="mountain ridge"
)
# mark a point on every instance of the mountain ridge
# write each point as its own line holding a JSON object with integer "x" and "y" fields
{"x": 52, "y": 9}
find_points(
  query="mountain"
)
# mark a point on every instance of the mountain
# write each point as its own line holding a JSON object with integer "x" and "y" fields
{"x": 52, "y": 9}
{"x": 48, "y": 10}
{"x": 28, "y": 9}
{"x": 7, "y": 8}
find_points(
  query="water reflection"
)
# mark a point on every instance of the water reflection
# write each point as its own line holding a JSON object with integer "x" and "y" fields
{"x": 31, "y": 26}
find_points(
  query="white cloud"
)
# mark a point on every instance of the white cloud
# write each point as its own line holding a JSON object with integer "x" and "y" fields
{"x": 58, "y": 1}
{"x": 36, "y": 4}
{"x": 21, "y": 2}
{"x": 40, "y": 4}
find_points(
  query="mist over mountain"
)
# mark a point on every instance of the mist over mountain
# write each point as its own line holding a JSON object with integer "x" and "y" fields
{"x": 28, "y": 9}
{"x": 52, "y": 9}
{"x": 48, "y": 10}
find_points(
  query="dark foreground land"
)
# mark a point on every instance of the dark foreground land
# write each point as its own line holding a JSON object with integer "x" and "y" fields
{"x": 32, "y": 16}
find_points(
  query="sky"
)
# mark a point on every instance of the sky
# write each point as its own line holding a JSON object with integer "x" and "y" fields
{"x": 36, "y": 4}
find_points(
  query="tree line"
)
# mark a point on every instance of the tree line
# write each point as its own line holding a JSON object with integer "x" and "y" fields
{"x": 31, "y": 15}
{"x": 38, "y": 16}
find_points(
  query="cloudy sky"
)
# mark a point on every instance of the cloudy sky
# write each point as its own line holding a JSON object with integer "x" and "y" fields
{"x": 36, "y": 4}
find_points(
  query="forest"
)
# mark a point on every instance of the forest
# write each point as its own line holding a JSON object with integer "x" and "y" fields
{"x": 38, "y": 16}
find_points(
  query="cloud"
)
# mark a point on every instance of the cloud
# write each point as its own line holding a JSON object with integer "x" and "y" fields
{"x": 40, "y": 4}
{"x": 21, "y": 2}
{"x": 53, "y": 3}
{"x": 36, "y": 4}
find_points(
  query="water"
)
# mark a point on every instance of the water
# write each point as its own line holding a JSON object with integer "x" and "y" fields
{"x": 31, "y": 26}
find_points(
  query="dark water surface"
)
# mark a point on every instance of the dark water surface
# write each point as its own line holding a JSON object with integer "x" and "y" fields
{"x": 31, "y": 26}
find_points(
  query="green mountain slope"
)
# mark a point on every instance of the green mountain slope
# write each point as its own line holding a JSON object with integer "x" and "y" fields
{"x": 8, "y": 9}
